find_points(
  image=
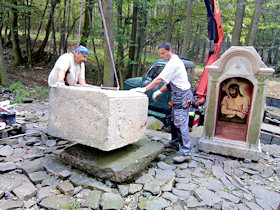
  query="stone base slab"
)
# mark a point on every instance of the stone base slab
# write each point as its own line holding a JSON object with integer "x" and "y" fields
{"x": 119, "y": 165}
{"x": 232, "y": 148}
{"x": 103, "y": 119}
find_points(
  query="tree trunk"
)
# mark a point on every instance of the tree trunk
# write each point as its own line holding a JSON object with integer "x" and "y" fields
{"x": 203, "y": 52}
{"x": 63, "y": 30}
{"x": 85, "y": 31}
{"x": 120, "y": 41}
{"x": 187, "y": 29}
{"x": 48, "y": 31}
{"x": 3, "y": 73}
{"x": 53, "y": 30}
{"x": 108, "y": 78}
{"x": 250, "y": 38}
{"x": 131, "y": 53}
{"x": 94, "y": 48}
{"x": 38, "y": 32}
{"x": 169, "y": 23}
{"x": 28, "y": 40}
{"x": 237, "y": 28}
{"x": 14, "y": 35}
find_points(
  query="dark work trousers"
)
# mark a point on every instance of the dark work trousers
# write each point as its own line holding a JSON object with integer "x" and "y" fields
{"x": 180, "y": 119}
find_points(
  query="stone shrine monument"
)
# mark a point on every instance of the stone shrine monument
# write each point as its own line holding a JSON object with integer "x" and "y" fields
{"x": 235, "y": 103}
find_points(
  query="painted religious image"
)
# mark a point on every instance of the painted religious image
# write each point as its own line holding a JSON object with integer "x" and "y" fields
{"x": 235, "y": 100}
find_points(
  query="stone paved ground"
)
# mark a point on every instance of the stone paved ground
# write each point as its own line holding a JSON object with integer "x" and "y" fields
{"x": 33, "y": 177}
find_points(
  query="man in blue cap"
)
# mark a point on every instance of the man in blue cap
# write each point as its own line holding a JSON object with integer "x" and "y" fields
{"x": 69, "y": 69}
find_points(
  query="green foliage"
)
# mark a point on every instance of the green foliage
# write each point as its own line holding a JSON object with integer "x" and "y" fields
{"x": 22, "y": 92}
{"x": 72, "y": 204}
{"x": 40, "y": 93}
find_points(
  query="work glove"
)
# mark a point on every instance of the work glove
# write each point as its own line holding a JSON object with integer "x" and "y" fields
{"x": 156, "y": 95}
{"x": 60, "y": 83}
{"x": 140, "y": 90}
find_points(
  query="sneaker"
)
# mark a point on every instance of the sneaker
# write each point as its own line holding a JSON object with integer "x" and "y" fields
{"x": 181, "y": 158}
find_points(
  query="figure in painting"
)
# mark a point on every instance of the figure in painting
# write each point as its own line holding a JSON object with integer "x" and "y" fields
{"x": 235, "y": 104}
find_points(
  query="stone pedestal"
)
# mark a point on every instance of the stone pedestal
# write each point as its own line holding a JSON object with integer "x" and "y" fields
{"x": 235, "y": 104}
{"x": 103, "y": 119}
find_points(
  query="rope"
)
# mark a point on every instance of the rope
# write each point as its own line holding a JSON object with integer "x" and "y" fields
{"x": 108, "y": 42}
{"x": 80, "y": 23}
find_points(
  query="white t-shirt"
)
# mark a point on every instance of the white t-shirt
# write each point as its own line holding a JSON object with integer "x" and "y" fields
{"x": 66, "y": 62}
{"x": 175, "y": 72}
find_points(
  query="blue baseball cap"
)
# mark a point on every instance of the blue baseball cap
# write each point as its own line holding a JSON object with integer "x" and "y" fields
{"x": 81, "y": 49}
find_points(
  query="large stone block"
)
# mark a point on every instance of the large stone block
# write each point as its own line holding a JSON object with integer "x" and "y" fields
{"x": 103, "y": 119}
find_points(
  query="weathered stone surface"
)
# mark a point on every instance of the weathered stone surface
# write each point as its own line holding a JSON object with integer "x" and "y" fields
{"x": 123, "y": 189}
{"x": 165, "y": 174}
{"x": 192, "y": 202}
{"x": 134, "y": 188}
{"x": 46, "y": 192}
{"x": 79, "y": 178}
{"x": 169, "y": 196}
{"x": 25, "y": 191}
{"x": 55, "y": 202}
{"x": 114, "y": 118}
{"x": 272, "y": 198}
{"x": 152, "y": 186}
{"x": 66, "y": 188}
{"x": 10, "y": 204}
{"x": 6, "y": 151}
{"x": 92, "y": 199}
{"x": 119, "y": 165}
{"x": 156, "y": 204}
{"x": 38, "y": 176}
{"x": 111, "y": 201}
{"x": 207, "y": 196}
{"x": 8, "y": 166}
{"x": 11, "y": 181}
{"x": 230, "y": 148}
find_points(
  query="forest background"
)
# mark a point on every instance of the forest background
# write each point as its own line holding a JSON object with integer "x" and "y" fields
{"x": 34, "y": 34}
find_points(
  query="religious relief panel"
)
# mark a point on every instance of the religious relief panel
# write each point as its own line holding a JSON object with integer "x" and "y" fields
{"x": 234, "y": 108}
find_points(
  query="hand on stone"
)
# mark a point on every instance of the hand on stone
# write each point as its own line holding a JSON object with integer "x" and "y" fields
{"x": 156, "y": 95}
{"x": 60, "y": 83}
{"x": 140, "y": 90}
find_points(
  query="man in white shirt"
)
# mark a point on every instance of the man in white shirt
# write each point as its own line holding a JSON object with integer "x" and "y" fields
{"x": 69, "y": 69}
{"x": 175, "y": 77}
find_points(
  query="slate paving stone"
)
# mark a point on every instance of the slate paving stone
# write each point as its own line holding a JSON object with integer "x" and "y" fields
{"x": 111, "y": 201}
{"x": 193, "y": 202}
{"x": 272, "y": 198}
{"x": 157, "y": 204}
{"x": 11, "y": 181}
{"x": 6, "y": 151}
{"x": 263, "y": 204}
{"x": 64, "y": 174}
{"x": 253, "y": 205}
{"x": 123, "y": 189}
{"x": 134, "y": 188}
{"x": 187, "y": 187}
{"x": 28, "y": 204}
{"x": 92, "y": 200}
{"x": 229, "y": 206}
{"x": 80, "y": 178}
{"x": 241, "y": 206}
{"x": 267, "y": 173}
{"x": 25, "y": 191}
{"x": 45, "y": 192}
{"x": 49, "y": 182}
{"x": 38, "y": 177}
{"x": 8, "y": 166}
{"x": 207, "y": 196}
{"x": 164, "y": 174}
{"x": 168, "y": 186}
{"x": 55, "y": 202}
{"x": 10, "y": 204}
{"x": 211, "y": 184}
{"x": 66, "y": 188}
{"x": 169, "y": 196}
{"x": 165, "y": 166}
{"x": 152, "y": 186}
{"x": 54, "y": 166}
{"x": 185, "y": 173}
{"x": 182, "y": 194}
{"x": 229, "y": 197}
